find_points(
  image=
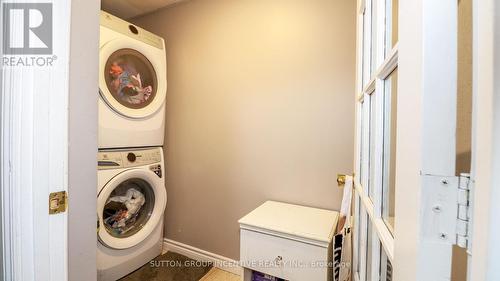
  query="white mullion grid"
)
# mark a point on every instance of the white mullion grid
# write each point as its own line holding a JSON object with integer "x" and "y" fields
{"x": 370, "y": 158}
{"x": 383, "y": 71}
{"x": 389, "y": 64}
{"x": 371, "y": 92}
{"x": 382, "y": 231}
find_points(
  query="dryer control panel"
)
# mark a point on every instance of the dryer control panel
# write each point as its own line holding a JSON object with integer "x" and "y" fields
{"x": 114, "y": 159}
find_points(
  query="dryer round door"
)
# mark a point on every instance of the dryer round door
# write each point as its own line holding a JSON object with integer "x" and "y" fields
{"x": 132, "y": 77}
{"x": 130, "y": 206}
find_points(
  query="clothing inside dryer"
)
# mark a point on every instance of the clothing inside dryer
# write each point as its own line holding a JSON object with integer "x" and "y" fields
{"x": 131, "y": 78}
{"x": 128, "y": 208}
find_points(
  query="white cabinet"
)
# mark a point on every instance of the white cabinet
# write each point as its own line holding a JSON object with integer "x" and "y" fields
{"x": 288, "y": 241}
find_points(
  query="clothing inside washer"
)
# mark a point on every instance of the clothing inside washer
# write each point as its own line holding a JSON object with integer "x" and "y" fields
{"x": 128, "y": 208}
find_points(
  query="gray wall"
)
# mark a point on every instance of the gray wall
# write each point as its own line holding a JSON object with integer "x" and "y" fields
{"x": 83, "y": 95}
{"x": 259, "y": 106}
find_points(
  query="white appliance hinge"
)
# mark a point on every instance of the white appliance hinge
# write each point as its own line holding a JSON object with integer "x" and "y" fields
{"x": 464, "y": 209}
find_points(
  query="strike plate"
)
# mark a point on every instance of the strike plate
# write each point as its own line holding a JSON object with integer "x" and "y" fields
{"x": 58, "y": 202}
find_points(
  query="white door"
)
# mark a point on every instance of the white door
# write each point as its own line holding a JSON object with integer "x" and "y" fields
{"x": 37, "y": 158}
{"x": 376, "y": 103}
{"x": 410, "y": 206}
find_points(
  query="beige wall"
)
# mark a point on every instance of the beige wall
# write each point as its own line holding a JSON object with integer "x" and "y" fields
{"x": 259, "y": 107}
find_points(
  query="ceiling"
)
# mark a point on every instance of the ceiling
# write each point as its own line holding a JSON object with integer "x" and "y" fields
{"x": 127, "y": 9}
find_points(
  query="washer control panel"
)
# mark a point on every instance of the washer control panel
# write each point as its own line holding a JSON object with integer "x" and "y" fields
{"x": 113, "y": 159}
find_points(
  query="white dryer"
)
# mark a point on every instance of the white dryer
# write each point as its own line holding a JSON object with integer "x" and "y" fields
{"x": 132, "y": 85}
{"x": 130, "y": 205}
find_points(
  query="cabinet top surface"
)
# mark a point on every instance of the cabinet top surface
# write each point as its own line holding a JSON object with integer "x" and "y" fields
{"x": 295, "y": 220}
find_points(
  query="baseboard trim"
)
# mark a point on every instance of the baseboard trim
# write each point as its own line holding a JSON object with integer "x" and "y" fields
{"x": 194, "y": 253}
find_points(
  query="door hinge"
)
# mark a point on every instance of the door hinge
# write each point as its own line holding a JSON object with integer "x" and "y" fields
{"x": 464, "y": 209}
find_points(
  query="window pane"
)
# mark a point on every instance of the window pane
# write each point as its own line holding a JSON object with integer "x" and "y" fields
{"x": 358, "y": 234}
{"x": 369, "y": 249}
{"x": 372, "y": 132}
{"x": 391, "y": 21}
{"x": 365, "y": 179}
{"x": 366, "y": 47}
{"x": 385, "y": 267}
{"x": 361, "y": 141}
{"x": 373, "y": 41}
{"x": 389, "y": 166}
{"x": 362, "y": 243}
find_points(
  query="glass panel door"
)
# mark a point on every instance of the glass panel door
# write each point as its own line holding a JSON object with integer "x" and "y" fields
{"x": 377, "y": 118}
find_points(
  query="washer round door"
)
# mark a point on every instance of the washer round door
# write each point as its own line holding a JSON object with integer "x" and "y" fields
{"x": 132, "y": 77}
{"x": 130, "y": 206}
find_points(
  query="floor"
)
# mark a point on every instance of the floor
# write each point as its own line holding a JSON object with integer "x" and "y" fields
{"x": 216, "y": 274}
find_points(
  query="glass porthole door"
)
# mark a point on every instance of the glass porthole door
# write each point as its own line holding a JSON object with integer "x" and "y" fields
{"x": 130, "y": 206}
{"x": 132, "y": 78}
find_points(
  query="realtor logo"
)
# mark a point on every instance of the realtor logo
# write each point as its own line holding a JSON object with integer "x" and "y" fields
{"x": 28, "y": 29}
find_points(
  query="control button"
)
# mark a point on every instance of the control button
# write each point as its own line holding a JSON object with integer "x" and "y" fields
{"x": 133, "y": 29}
{"x": 131, "y": 157}
{"x": 156, "y": 169}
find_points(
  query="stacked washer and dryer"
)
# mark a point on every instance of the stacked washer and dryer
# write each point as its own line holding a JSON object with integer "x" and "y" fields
{"x": 131, "y": 177}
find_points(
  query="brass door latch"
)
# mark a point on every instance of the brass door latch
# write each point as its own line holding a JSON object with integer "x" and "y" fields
{"x": 58, "y": 202}
{"x": 341, "y": 178}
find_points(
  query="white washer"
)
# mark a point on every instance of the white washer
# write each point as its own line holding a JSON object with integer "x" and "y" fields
{"x": 130, "y": 205}
{"x": 132, "y": 85}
